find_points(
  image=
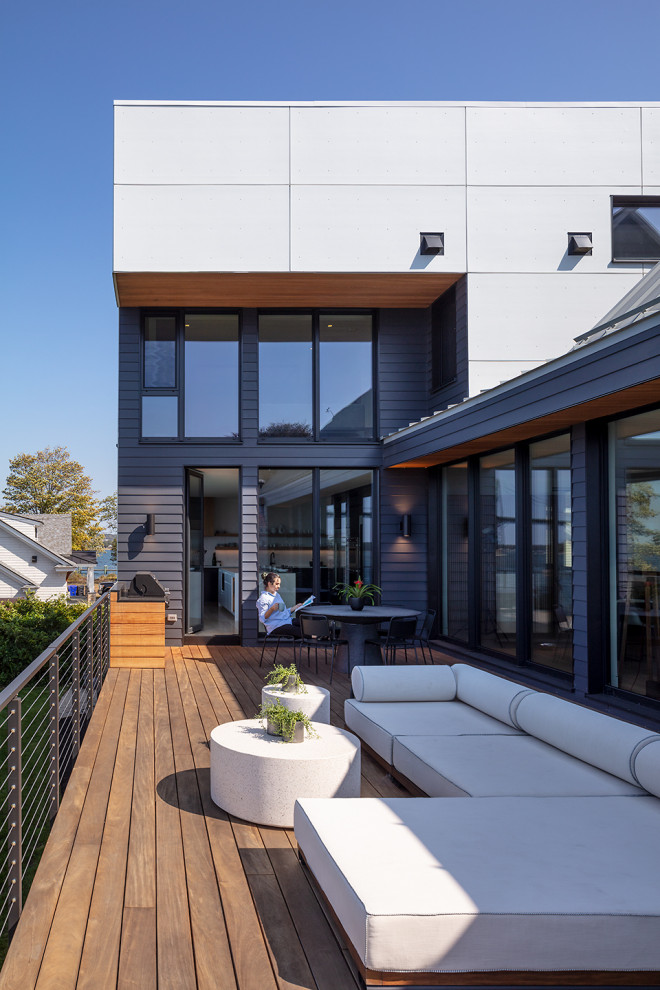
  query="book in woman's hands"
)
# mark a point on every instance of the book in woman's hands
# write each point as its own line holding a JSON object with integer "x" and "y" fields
{"x": 308, "y": 601}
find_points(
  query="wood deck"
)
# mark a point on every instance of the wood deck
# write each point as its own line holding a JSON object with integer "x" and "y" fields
{"x": 144, "y": 881}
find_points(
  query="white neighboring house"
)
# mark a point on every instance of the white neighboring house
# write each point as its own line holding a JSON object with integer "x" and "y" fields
{"x": 27, "y": 563}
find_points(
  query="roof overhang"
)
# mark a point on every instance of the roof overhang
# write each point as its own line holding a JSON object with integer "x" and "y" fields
{"x": 386, "y": 290}
{"x": 606, "y": 405}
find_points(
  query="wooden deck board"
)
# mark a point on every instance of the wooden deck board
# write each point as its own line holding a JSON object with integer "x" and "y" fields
{"x": 144, "y": 881}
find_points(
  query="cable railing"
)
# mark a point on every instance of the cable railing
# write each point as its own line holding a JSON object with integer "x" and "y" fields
{"x": 44, "y": 713}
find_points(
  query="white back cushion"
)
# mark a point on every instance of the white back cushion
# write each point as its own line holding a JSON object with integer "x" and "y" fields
{"x": 597, "y": 739}
{"x": 404, "y": 683}
{"x": 647, "y": 766}
{"x": 489, "y": 693}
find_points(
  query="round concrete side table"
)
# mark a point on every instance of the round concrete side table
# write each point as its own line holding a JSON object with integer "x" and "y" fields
{"x": 258, "y": 777}
{"x": 315, "y": 704}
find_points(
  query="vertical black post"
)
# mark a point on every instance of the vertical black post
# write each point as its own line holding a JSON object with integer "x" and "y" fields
{"x": 15, "y": 816}
{"x": 474, "y": 554}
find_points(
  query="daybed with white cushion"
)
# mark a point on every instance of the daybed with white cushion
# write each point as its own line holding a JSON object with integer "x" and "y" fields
{"x": 547, "y": 874}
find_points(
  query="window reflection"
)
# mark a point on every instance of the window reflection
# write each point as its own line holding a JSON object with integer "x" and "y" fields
{"x": 636, "y": 229}
{"x": 455, "y": 552}
{"x": 498, "y": 551}
{"x": 635, "y": 553}
{"x": 285, "y": 376}
{"x": 285, "y": 530}
{"x": 160, "y": 352}
{"x": 211, "y": 375}
{"x": 160, "y": 416}
{"x": 345, "y": 376}
{"x": 552, "y": 563}
{"x": 346, "y": 529}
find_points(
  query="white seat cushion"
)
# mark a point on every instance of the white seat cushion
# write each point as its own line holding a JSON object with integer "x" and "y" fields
{"x": 377, "y": 722}
{"x": 479, "y": 884}
{"x": 647, "y": 766}
{"x": 605, "y": 742}
{"x": 491, "y": 766}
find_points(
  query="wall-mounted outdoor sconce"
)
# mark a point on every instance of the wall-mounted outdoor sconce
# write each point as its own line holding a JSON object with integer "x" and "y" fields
{"x": 580, "y": 243}
{"x": 406, "y": 524}
{"x": 150, "y": 524}
{"x": 431, "y": 243}
{"x": 34, "y": 558}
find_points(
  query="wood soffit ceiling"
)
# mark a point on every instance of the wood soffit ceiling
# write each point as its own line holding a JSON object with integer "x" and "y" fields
{"x": 386, "y": 290}
{"x": 606, "y": 405}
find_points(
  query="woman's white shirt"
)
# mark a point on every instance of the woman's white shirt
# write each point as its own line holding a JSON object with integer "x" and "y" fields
{"x": 277, "y": 618}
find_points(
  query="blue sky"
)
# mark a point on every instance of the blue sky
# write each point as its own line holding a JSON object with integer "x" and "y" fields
{"x": 62, "y": 65}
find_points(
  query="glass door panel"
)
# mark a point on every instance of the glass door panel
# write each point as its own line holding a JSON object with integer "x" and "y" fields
{"x": 195, "y": 552}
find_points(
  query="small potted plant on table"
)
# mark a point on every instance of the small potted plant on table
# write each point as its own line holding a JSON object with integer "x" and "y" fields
{"x": 288, "y": 678}
{"x": 357, "y": 594}
{"x": 282, "y": 721}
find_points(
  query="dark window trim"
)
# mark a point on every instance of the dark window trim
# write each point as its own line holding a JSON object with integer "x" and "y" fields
{"x": 316, "y": 314}
{"x": 179, "y": 389}
{"x": 639, "y": 200}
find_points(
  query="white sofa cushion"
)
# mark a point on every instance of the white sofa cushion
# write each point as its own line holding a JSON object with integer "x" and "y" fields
{"x": 489, "y": 693}
{"x": 598, "y": 739}
{"x": 492, "y": 766}
{"x": 647, "y": 766}
{"x": 409, "y": 683}
{"x": 378, "y": 722}
{"x": 480, "y": 884}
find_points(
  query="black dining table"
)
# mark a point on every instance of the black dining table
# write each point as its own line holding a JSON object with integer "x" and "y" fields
{"x": 357, "y": 626}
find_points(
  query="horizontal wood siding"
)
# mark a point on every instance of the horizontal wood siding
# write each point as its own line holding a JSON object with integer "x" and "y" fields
{"x": 404, "y": 561}
{"x": 403, "y": 367}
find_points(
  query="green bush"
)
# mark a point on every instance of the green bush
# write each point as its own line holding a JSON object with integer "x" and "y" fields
{"x": 28, "y": 626}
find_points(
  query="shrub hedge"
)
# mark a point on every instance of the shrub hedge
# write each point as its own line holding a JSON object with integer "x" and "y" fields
{"x": 28, "y": 626}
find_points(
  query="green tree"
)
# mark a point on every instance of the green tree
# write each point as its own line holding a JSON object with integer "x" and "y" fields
{"x": 51, "y": 482}
{"x": 108, "y": 515}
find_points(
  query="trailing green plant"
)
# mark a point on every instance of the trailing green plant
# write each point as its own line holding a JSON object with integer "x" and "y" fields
{"x": 285, "y": 719}
{"x": 28, "y": 626}
{"x": 280, "y": 675}
{"x": 357, "y": 590}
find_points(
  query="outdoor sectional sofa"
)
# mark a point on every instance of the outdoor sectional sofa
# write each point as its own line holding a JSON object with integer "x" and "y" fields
{"x": 543, "y": 870}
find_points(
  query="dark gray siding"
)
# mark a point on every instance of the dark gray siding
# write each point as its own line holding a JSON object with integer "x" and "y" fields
{"x": 403, "y": 367}
{"x": 404, "y": 561}
{"x": 598, "y": 371}
{"x": 458, "y": 389}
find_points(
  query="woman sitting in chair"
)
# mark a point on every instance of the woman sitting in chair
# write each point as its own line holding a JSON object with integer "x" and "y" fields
{"x": 277, "y": 618}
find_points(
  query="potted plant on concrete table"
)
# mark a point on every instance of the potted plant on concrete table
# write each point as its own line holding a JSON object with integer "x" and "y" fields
{"x": 288, "y": 679}
{"x": 282, "y": 721}
{"x": 358, "y": 594}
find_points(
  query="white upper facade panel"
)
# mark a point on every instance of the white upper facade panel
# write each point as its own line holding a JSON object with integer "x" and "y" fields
{"x": 192, "y": 145}
{"x": 554, "y": 146}
{"x": 378, "y": 145}
{"x": 349, "y": 187}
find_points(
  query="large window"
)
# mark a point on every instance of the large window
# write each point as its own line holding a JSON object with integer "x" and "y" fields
{"x": 315, "y": 376}
{"x": 190, "y": 376}
{"x": 346, "y": 529}
{"x": 506, "y": 561}
{"x": 497, "y": 522}
{"x": 552, "y": 560}
{"x": 313, "y": 551}
{"x": 285, "y": 376}
{"x": 211, "y": 374}
{"x": 635, "y": 553}
{"x": 636, "y": 228}
{"x": 455, "y": 556}
{"x": 346, "y": 405}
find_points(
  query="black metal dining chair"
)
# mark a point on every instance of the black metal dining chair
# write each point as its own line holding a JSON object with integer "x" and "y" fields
{"x": 274, "y": 639}
{"x": 400, "y": 636}
{"x": 425, "y": 622}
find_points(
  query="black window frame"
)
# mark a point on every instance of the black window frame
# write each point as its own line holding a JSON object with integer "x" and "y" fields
{"x": 632, "y": 200}
{"x": 317, "y": 314}
{"x": 179, "y": 388}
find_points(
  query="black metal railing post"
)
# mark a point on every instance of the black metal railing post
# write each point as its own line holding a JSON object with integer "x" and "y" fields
{"x": 15, "y": 820}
